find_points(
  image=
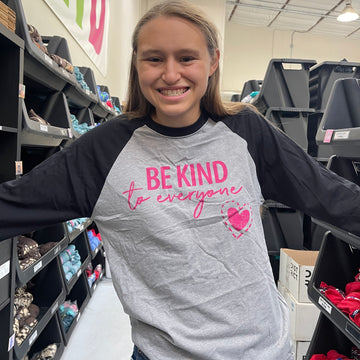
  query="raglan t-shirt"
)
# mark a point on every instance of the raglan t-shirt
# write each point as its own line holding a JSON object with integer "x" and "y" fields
{"x": 179, "y": 214}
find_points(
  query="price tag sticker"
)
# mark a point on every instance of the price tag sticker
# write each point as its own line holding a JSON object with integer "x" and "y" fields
{"x": 328, "y": 136}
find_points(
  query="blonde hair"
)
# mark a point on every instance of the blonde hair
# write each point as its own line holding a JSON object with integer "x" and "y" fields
{"x": 137, "y": 105}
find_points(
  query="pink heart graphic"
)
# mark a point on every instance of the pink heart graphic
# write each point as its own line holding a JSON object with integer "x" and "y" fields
{"x": 238, "y": 220}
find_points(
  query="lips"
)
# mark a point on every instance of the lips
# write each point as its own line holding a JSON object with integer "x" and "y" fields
{"x": 173, "y": 92}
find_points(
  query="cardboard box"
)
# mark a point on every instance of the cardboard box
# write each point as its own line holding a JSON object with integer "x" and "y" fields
{"x": 300, "y": 349}
{"x": 295, "y": 270}
{"x": 303, "y": 318}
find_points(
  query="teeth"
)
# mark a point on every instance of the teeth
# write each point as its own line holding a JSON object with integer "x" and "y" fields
{"x": 173, "y": 92}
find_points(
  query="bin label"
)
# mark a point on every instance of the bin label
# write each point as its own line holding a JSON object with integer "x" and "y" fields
{"x": 324, "y": 304}
{"x": 57, "y": 249}
{"x": 4, "y": 269}
{"x": 54, "y": 308}
{"x": 341, "y": 135}
{"x": 33, "y": 337}
{"x": 44, "y": 128}
{"x": 37, "y": 267}
{"x": 11, "y": 342}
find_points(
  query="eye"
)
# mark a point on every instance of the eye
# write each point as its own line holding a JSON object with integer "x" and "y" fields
{"x": 187, "y": 58}
{"x": 153, "y": 59}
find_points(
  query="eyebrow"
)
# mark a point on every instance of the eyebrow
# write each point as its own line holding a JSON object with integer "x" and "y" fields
{"x": 159, "y": 52}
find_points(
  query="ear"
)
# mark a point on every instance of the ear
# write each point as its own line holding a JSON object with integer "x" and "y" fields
{"x": 214, "y": 62}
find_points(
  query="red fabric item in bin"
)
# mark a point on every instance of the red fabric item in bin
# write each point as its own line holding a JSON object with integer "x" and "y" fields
{"x": 331, "y": 355}
{"x": 332, "y": 293}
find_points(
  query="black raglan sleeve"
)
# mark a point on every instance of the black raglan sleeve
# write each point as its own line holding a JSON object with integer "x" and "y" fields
{"x": 65, "y": 186}
{"x": 290, "y": 176}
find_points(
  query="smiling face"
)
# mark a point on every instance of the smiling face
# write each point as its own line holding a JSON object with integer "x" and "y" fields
{"x": 173, "y": 65}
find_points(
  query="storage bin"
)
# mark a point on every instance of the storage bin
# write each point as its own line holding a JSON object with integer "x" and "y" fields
{"x": 83, "y": 223}
{"x": 55, "y": 233}
{"x": 80, "y": 294}
{"x": 11, "y": 63}
{"x": 51, "y": 108}
{"x": 81, "y": 245}
{"x": 50, "y": 335}
{"x": 7, "y": 271}
{"x": 83, "y": 116}
{"x": 6, "y": 332}
{"x": 39, "y": 68}
{"x": 337, "y": 264}
{"x": 99, "y": 259}
{"x": 321, "y": 152}
{"x": 79, "y": 97}
{"x": 286, "y": 84}
{"x": 48, "y": 301}
{"x": 100, "y": 109}
{"x": 293, "y": 121}
{"x": 340, "y": 124}
{"x": 248, "y": 87}
{"x": 322, "y": 78}
{"x": 328, "y": 337}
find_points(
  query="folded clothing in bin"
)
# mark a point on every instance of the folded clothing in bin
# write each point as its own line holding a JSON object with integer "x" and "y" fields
{"x": 71, "y": 261}
{"x": 68, "y": 311}
{"x": 48, "y": 353}
{"x": 25, "y": 314}
{"x": 334, "y": 355}
{"x": 347, "y": 301}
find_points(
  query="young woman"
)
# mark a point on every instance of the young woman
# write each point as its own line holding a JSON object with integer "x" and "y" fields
{"x": 175, "y": 187}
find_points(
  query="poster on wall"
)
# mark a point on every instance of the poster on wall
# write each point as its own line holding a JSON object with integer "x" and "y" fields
{"x": 88, "y": 22}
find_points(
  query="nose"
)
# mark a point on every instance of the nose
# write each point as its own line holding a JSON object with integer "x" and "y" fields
{"x": 171, "y": 72}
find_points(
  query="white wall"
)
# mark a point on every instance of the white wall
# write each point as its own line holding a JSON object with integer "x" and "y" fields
{"x": 247, "y": 51}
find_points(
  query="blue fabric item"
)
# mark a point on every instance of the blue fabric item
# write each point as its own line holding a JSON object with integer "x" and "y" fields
{"x": 80, "y": 128}
{"x": 80, "y": 78}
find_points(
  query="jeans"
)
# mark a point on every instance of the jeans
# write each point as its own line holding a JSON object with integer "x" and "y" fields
{"x": 138, "y": 354}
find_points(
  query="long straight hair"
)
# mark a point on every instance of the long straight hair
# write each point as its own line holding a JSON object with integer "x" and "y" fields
{"x": 137, "y": 105}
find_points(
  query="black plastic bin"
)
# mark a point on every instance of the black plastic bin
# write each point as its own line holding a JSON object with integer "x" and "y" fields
{"x": 293, "y": 121}
{"x": 48, "y": 301}
{"x": 286, "y": 84}
{"x": 337, "y": 264}
{"x": 50, "y": 335}
{"x": 248, "y": 87}
{"x": 6, "y": 271}
{"x": 51, "y": 108}
{"x": 39, "y": 68}
{"x": 82, "y": 246}
{"x": 8, "y": 154}
{"x": 323, "y": 77}
{"x": 6, "y": 332}
{"x": 99, "y": 259}
{"x": 55, "y": 233}
{"x": 340, "y": 124}
{"x": 327, "y": 337}
{"x": 80, "y": 294}
{"x": 77, "y": 96}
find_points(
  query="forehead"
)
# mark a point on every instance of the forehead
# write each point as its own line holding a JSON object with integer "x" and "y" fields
{"x": 171, "y": 31}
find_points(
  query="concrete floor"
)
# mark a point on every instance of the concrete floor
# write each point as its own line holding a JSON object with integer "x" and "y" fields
{"x": 103, "y": 330}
